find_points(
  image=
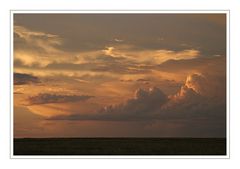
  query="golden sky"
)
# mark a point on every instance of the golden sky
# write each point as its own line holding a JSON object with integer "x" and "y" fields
{"x": 119, "y": 75}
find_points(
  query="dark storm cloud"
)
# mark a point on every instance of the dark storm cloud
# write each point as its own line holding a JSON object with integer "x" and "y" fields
{"x": 134, "y": 109}
{"x": 45, "y": 98}
{"x": 86, "y": 32}
{"x": 191, "y": 103}
{"x": 22, "y": 79}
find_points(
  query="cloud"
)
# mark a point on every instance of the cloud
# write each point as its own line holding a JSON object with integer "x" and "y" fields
{"x": 207, "y": 85}
{"x": 154, "y": 56}
{"x": 143, "y": 101}
{"x": 22, "y": 79}
{"x": 191, "y": 29}
{"x": 118, "y": 40}
{"x": 123, "y": 67}
{"x": 122, "y": 59}
{"x": 31, "y": 36}
{"x": 45, "y": 98}
{"x": 200, "y": 98}
{"x": 61, "y": 58}
{"x": 17, "y": 93}
{"x": 98, "y": 78}
{"x": 216, "y": 64}
{"x": 143, "y": 80}
{"x": 126, "y": 80}
{"x": 191, "y": 102}
{"x": 42, "y": 50}
{"x": 35, "y": 48}
{"x": 133, "y": 109}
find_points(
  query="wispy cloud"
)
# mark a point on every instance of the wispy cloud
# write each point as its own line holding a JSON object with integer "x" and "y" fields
{"x": 154, "y": 56}
{"x": 36, "y": 48}
{"x": 45, "y": 98}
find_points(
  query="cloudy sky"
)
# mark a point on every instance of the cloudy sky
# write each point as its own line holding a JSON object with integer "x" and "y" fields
{"x": 119, "y": 75}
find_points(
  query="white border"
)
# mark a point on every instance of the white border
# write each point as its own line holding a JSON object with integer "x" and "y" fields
{"x": 227, "y": 156}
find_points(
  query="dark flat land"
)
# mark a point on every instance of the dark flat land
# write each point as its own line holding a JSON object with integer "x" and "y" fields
{"x": 120, "y": 146}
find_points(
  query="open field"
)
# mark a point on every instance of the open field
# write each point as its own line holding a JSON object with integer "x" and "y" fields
{"x": 120, "y": 146}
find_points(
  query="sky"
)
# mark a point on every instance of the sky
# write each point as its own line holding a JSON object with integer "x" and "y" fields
{"x": 119, "y": 75}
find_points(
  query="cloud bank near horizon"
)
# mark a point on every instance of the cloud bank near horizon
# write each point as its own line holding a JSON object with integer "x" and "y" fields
{"x": 196, "y": 99}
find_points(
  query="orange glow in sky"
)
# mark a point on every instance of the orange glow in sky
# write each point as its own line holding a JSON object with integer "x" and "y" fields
{"x": 119, "y": 75}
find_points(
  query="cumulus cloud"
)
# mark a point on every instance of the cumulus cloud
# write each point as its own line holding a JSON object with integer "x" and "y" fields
{"x": 199, "y": 99}
{"x": 207, "y": 85}
{"x": 197, "y": 82}
{"x": 133, "y": 109}
{"x": 192, "y": 101}
{"x": 143, "y": 101}
{"x": 45, "y": 98}
{"x": 22, "y": 79}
